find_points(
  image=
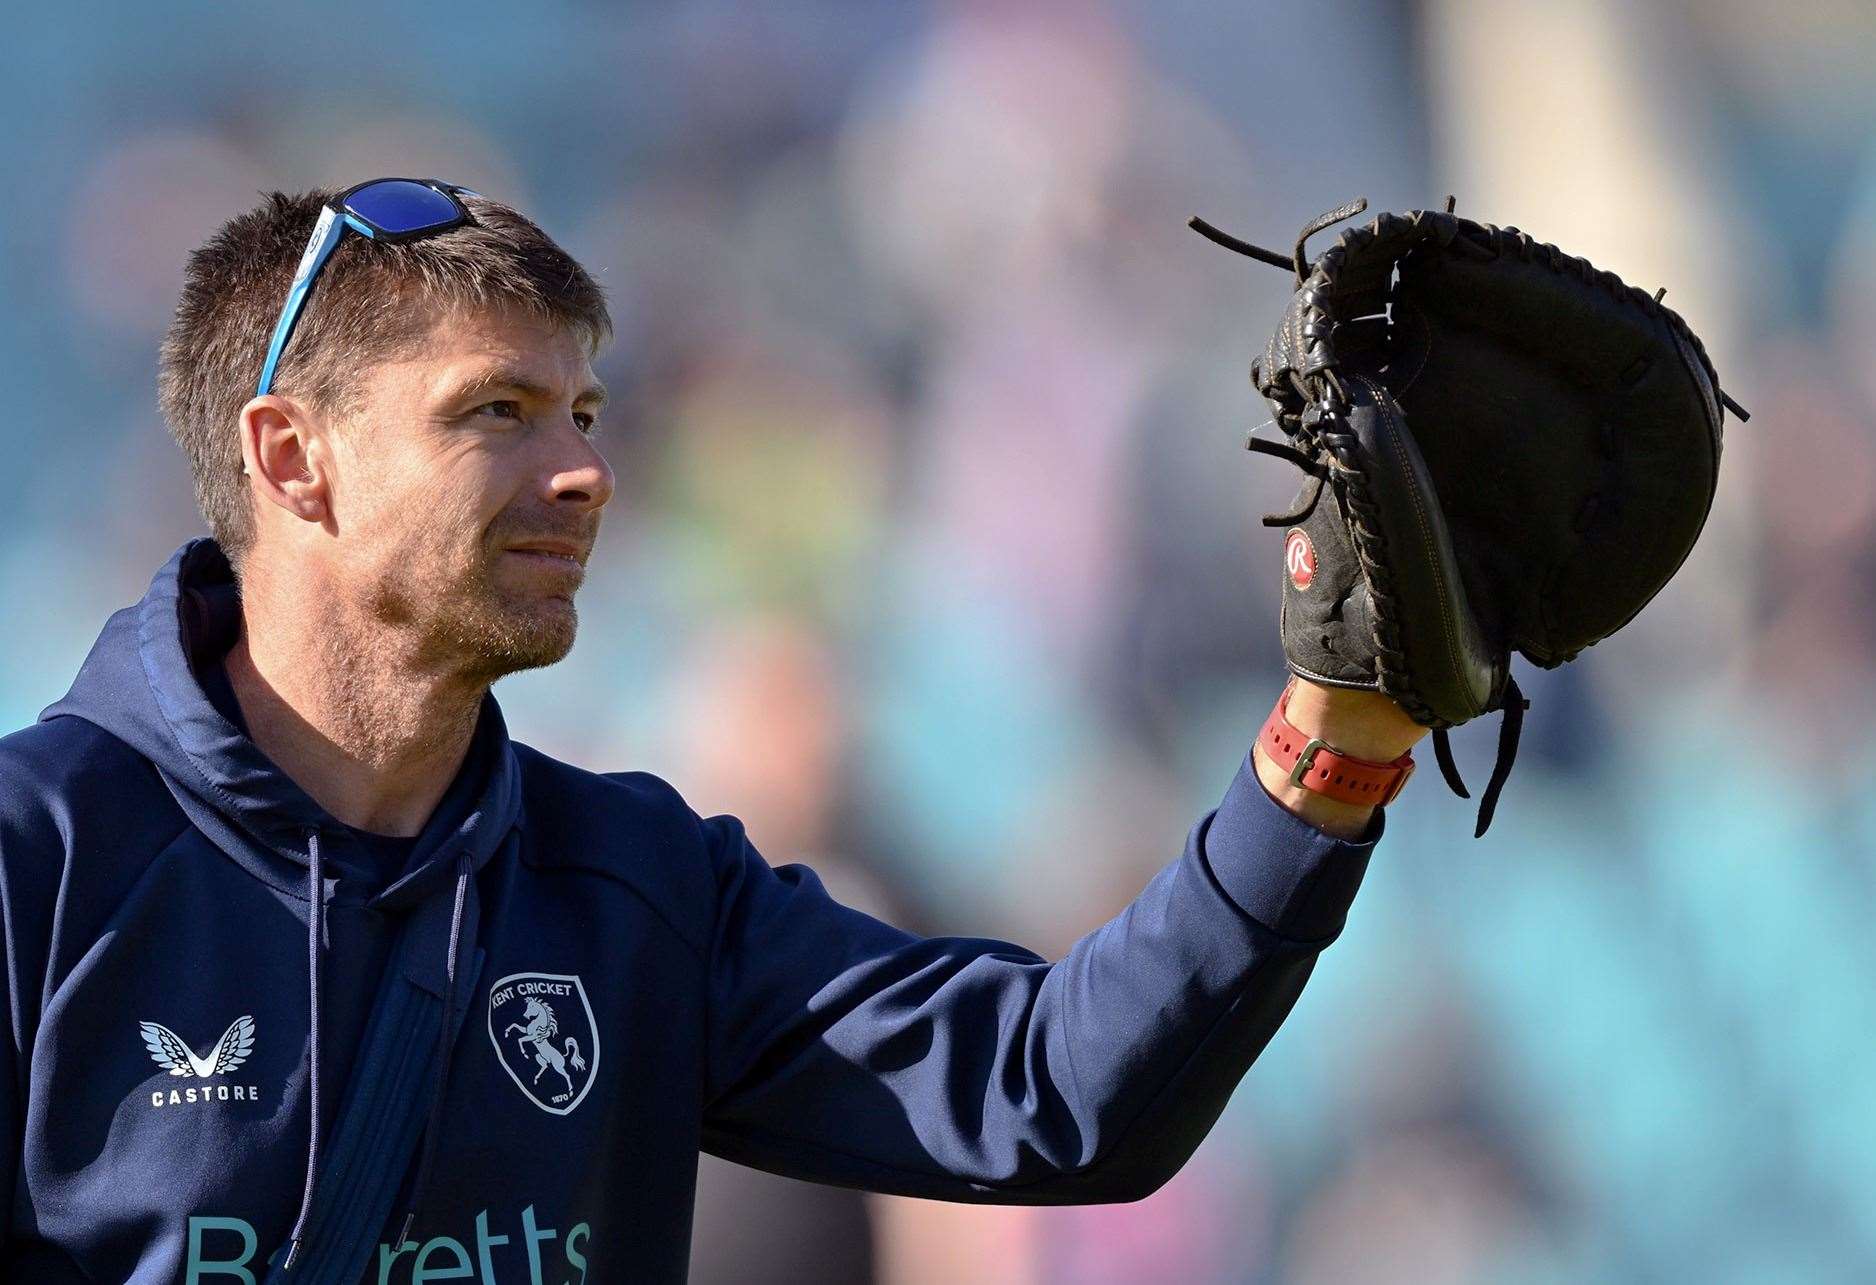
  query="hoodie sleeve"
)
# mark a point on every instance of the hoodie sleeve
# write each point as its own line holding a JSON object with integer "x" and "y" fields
{"x": 846, "y": 1051}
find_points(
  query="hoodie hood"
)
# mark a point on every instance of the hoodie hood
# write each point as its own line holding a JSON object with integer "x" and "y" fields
{"x": 140, "y": 683}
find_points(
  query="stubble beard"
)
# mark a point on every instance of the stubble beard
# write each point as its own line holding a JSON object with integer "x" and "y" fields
{"x": 460, "y": 618}
{"x": 497, "y": 633}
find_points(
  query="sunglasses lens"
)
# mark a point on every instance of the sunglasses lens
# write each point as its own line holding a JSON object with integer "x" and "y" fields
{"x": 399, "y": 206}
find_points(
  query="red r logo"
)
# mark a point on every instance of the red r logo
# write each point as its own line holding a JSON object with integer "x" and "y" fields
{"x": 1299, "y": 559}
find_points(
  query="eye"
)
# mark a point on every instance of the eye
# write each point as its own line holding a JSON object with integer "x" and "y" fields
{"x": 589, "y": 424}
{"x": 502, "y": 409}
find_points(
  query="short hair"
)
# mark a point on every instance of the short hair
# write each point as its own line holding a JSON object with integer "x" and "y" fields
{"x": 372, "y": 302}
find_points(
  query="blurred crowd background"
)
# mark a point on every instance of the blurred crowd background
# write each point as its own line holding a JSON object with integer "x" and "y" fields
{"x": 936, "y": 553}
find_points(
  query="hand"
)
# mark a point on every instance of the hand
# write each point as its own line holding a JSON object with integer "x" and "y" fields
{"x": 1365, "y": 724}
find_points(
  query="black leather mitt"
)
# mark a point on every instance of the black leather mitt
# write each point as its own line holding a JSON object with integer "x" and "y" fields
{"x": 1507, "y": 450}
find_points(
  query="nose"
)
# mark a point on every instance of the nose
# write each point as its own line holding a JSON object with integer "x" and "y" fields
{"x": 579, "y": 476}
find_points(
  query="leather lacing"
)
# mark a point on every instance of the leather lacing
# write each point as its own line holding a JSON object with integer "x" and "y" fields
{"x": 1331, "y": 456}
{"x": 1332, "y": 467}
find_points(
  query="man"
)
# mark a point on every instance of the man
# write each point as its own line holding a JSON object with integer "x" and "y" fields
{"x": 315, "y": 975}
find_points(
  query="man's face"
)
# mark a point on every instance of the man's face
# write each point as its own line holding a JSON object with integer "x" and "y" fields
{"x": 467, "y": 495}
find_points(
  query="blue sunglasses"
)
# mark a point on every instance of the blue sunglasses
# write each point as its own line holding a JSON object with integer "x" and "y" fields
{"x": 384, "y": 209}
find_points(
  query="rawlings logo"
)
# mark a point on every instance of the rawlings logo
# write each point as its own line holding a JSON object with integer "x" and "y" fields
{"x": 1299, "y": 559}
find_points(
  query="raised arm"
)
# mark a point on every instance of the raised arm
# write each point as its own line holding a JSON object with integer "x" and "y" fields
{"x": 846, "y": 1051}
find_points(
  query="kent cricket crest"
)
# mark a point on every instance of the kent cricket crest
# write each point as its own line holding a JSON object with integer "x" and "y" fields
{"x": 543, "y": 1030}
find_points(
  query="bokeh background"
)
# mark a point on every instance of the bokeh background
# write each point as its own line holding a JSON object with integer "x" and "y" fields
{"x": 936, "y": 557}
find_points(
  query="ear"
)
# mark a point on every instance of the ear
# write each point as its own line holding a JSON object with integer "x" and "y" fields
{"x": 285, "y": 456}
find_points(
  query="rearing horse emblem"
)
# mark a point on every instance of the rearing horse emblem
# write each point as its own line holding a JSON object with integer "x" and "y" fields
{"x": 539, "y": 1024}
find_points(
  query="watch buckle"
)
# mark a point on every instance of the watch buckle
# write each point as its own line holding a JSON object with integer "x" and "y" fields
{"x": 1306, "y": 760}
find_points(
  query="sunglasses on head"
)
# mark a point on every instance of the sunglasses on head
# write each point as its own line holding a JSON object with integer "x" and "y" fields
{"x": 384, "y": 209}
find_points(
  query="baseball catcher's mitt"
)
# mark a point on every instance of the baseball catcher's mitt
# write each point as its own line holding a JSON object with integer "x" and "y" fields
{"x": 1507, "y": 449}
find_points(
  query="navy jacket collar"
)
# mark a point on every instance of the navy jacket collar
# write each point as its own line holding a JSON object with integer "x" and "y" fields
{"x": 140, "y": 684}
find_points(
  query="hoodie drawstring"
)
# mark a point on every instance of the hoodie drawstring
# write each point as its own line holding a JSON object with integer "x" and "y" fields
{"x": 316, "y": 923}
{"x": 446, "y": 1038}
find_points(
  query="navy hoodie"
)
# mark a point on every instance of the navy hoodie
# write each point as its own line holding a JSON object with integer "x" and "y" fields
{"x": 236, "y": 1037}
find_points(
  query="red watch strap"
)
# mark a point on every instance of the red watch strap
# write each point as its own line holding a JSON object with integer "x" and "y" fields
{"x": 1317, "y": 766}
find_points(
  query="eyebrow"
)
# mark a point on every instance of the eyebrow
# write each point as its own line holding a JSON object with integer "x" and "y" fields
{"x": 503, "y": 377}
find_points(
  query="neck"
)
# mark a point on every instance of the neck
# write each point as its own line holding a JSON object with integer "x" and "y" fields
{"x": 349, "y": 711}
